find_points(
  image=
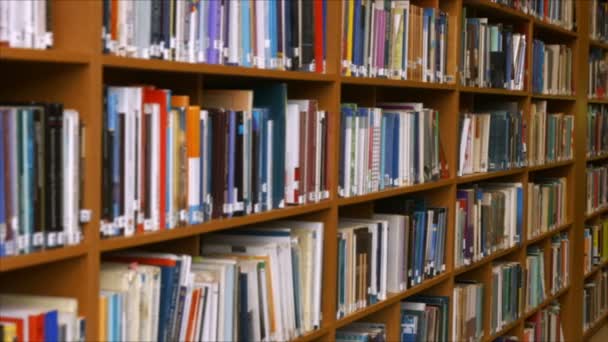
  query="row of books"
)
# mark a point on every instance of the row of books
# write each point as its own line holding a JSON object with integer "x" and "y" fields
{"x": 489, "y": 218}
{"x": 492, "y": 55}
{"x": 399, "y": 247}
{"x": 597, "y": 187}
{"x": 597, "y": 130}
{"x": 362, "y": 331}
{"x": 507, "y": 294}
{"x": 534, "y": 277}
{"x": 595, "y": 299}
{"x": 26, "y": 24}
{"x": 492, "y": 139}
{"x": 40, "y": 318}
{"x": 596, "y": 243}
{"x": 559, "y": 269}
{"x": 467, "y": 311}
{"x": 559, "y": 12}
{"x": 169, "y": 162}
{"x": 547, "y": 207}
{"x": 394, "y": 39}
{"x": 281, "y": 35}
{"x": 545, "y": 325}
{"x": 598, "y": 20}
{"x": 424, "y": 318}
{"x": 550, "y": 135}
{"x": 598, "y": 74}
{"x": 260, "y": 283}
{"x": 392, "y": 145}
{"x": 552, "y": 69}
{"x": 40, "y": 177}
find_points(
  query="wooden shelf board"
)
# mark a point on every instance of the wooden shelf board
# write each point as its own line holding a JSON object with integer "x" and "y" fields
{"x": 311, "y": 335}
{"x": 505, "y": 11}
{"x": 597, "y": 158}
{"x": 109, "y": 61}
{"x": 394, "y": 192}
{"x": 550, "y": 165}
{"x": 596, "y": 213}
{"x": 493, "y": 91}
{"x": 554, "y": 29}
{"x": 554, "y": 97}
{"x": 392, "y": 299}
{"x": 598, "y": 44}
{"x": 596, "y": 268}
{"x": 502, "y": 331}
{"x": 548, "y": 234}
{"x": 598, "y": 101}
{"x": 477, "y": 177}
{"x": 545, "y": 303}
{"x": 595, "y": 326}
{"x": 486, "y": 260}
{"x": 46, "y": 56}
{"x": 207, "y": 227}
{"x": 43, "y": 257}
{"x": 385, "y": 82}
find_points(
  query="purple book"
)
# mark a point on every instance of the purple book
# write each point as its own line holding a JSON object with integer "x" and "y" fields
{"x": 213, "y": 32}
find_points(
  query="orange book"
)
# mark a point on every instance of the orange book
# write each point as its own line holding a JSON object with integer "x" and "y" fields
{"x": 193, "y": 316}
{"x": 193, "y": 154}
{"x": 103, "y": 313}
{"x": 179, "y": 107}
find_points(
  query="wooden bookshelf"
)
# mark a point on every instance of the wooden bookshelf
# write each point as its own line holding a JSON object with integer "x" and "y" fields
{"x": 74, "y": 71}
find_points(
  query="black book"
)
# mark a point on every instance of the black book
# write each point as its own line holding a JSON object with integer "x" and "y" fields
{"x": 238, "y": 163}
{"x": 308, "y": 37}
{"x": 54, "y": 173}
{"x": 295, "y": 34}
{"x": 156, "y": 23}
{"x": 497, "y": 69}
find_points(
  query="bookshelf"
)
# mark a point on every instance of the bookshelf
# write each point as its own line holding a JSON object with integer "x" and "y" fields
{"x": 74, "y": 71}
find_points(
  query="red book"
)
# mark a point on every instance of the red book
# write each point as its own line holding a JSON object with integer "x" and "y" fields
{"x": 36, "y": 327}
{"x": 319, "y": 34}
{"x": 18, "y": 321}
{"x": 192, "y": 318}
{"x": 144, "y": 259}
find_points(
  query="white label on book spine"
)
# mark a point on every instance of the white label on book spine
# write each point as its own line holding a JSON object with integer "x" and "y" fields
{"x": 183, "y": 215}
{"x": 38, "y": 239}
{"x": 239, "y": 206}
{"x": 85, "y": 215}
{"x": 51, "y": 239}
{"x": 60, "y": 238}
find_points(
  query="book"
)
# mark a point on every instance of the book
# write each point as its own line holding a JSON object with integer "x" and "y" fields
{"x": 26, "y": 24}
{"x": 598, "y": 74}
{"x": 559, "y": 267}
{"x": 597, "y": 128}
{"x": 468, "y": 311}
{"x": 507, "y": 294}
{"x": 596, "y": 243}
{"x": 424, "y": 318}
{"x": 550, "y": 136}
{"x": 552, "y": 69}
{"x": 597, "y": 187}
{"x": 362, "y": 331}
{"x": 595, "y": 299}
{"x": 534, "y": 275}
{"x": 560, "y": 13}
{"x": 545, "y": 325}
{"x": 598, "y": 14}
{"x": 546, "y": 205}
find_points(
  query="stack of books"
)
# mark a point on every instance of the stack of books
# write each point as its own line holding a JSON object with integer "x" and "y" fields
{"x": 492, "y": 139}
{"x": 546, "y": 205}
{"x": 263, "y": 34}
{"x": 597, "y": 187}
{"x": 535, "y": 277}
{"x": 182, "y": 164}
{"x": 424, "y": 318}
{"x": 560, "y": 13}
{"x": 40, "y": 318}
{"x": 402, "y": 245}
{"x": 507, "y": 294}
{"x": 597, "y": 130}
{"x": 595, "y": 299}
{"x": 492, "y": 55}
{"x": 598, "y": 74}
{"x": 598, "y": 23}
{"x": 394, "y": 39}
{"x": 552, "y": 69}
{"x": 559, "y": 276}
{"x": 550, "y": 136}
{"x": 468, "y": 311}
{"x": 489, "y": 218}
{"x": 545, "y": 325}
{"x": 40, "y": 175}
{"x": 362, "y": 331}
{"x": 392, "y": 145}
{"x": 26, "y": 24}
{"x": 596, "y": 243}
{"x": 262, "y": 283}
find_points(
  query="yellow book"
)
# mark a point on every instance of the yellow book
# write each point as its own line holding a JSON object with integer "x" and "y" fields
{"x": 349, "y": 36}
{"x": 103, "y": 314}
{"x": 10, "y": 332}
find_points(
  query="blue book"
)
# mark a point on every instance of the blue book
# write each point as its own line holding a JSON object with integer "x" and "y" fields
{"x": 272, "y": 8}
{"x": 117, "y": 317}
{"x": 395, "y": 155}
{"x": 409, "y": 328}
{"x": 3, "y": 157}
{"x": 51, "y": 325}
{"x": 383, "y": 147}
{"x": 25, "y": 135}
{"x": 357, "y": 41}
{"x": 245, "y": 32}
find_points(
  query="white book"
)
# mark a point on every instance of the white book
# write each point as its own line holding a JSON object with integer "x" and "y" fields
{"x": 397, "y": 236}
{"x": 292, "y": 152}
{"x": 71, "y": 162}
{"x": 234, "y": 32}
{"x": 260, "y": 34}
{"x": 153, "y": 110}
{"x": 463, "y": 145}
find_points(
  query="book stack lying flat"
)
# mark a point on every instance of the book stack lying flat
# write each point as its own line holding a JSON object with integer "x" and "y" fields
{"x": 282, "y": 35}
{"x": 534, "y": 277}
{"x": 559, "y": 276}
{"x": 40, "y": 178}
{"x": 597, "y": 187}
{"x": 362, "y": 331}
{"x": 546, "y": 205}
{"x": 489, "y": 218}
{"x": 263, "y": 283}
{"x": 468, "y": 311}
{"x": 492, "y": 55}
{"x": 181, "y": 164}
{"x": 394, "y": 39}
{"x": 550, "y": 136}
{"x": 552, "y": 69}
{"x": 393, "y": 252}
{"x": 598, "y": 20}
{"x": 394, "y": 144}
{"x": 425, "y": 318}
{"x": 26, "y": 24}
{"x": 598, "y": 74}
{"x": 596, "y": 243}
{"x": 492, "y": 139}
{"x": 595, "y": 299}
{"x": 40, "y": 318}
{"x": 597, "y": 130}
{"x": 545, "y": 325}
{"x": 507, "y": 294}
